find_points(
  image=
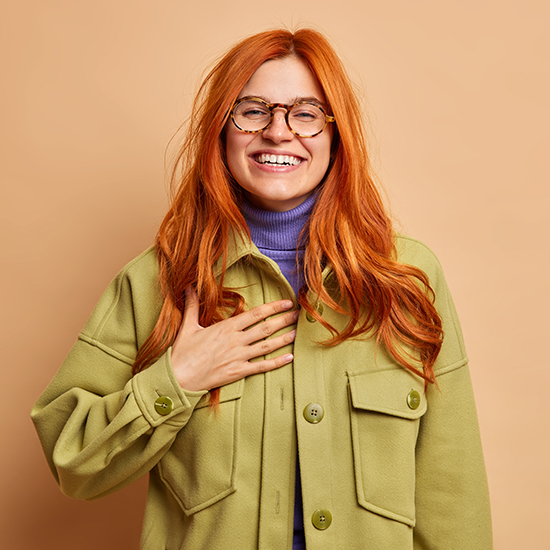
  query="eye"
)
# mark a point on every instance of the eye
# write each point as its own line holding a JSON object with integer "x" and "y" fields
{"x": 306, "y": 113}
{"x": 252, "y": 110}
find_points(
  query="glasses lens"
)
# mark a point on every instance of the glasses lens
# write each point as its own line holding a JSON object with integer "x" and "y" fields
{"x": 251, "y": 115}
{"x": 306, "y": 119}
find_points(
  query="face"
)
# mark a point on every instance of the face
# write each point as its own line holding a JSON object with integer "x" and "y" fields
{"x": 285, "y": 186}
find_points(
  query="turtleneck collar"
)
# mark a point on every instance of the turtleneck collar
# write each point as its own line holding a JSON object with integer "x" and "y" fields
{"x": 277, "y": 230}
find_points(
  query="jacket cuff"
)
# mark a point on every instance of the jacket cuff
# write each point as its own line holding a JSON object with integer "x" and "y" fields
{"x": 160, "y": 397}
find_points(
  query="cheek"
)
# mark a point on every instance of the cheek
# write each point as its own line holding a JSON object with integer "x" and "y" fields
{"x": 322, "y": 153}
{"x": 235, "y": 150}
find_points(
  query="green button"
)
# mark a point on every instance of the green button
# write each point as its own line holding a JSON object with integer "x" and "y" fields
{"x": 321, "y": 519}
{"x": 413, "y": 399}
{"x": 319, "y": 308}
{"x": 314, "y": 413}
{"x": 164, "y": 405}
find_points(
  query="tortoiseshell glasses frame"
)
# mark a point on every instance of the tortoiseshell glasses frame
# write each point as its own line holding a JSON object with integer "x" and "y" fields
{"x": 323, "y": 117}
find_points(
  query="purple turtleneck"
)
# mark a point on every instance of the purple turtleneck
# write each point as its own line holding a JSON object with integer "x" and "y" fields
{"x": 276, "y": 234}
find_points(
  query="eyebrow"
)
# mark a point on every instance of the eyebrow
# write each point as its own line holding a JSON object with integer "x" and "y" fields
{"x": 298, "y": 99}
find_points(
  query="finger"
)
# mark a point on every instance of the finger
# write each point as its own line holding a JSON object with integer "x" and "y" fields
{"x": 270, "y": 327}
{"x": 191, "y": 310}
{"x": 259, "y": 313}
{"x": 265, "y": 347}
{"x": 269, "y": 364}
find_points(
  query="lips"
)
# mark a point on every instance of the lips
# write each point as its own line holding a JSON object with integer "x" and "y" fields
{"x": 277, "y": 160}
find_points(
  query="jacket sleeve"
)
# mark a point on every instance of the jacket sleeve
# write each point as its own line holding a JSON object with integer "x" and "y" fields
{"x": 98, "y": 425}
{"x": 452, "y": 497}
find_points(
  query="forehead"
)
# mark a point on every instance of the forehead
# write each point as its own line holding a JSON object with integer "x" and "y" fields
{"x": 284, "y": 80}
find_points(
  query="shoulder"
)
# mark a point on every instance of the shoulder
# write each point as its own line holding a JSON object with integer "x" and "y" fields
{"x": 129, "y": 306}
{"x": 413, "y": 252}
{"x": 143, "y": 266}
{"x": 407, "y": 245}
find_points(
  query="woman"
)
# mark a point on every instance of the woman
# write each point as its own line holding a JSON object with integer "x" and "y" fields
{"x": 298, "y": 376}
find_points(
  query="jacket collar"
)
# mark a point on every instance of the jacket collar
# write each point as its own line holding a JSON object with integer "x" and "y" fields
{"x": 241, "y": 248}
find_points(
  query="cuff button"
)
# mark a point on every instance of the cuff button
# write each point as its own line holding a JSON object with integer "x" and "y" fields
{"x": 164, "y": 405}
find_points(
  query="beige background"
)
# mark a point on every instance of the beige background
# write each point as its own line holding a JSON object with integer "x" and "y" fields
{"x": 458, "y": 97}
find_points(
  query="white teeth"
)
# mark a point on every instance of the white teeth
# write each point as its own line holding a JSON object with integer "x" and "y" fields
{"x": 280, "y": 160}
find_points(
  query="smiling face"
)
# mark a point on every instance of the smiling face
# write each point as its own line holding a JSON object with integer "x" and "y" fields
{"x": 276, "y": 169}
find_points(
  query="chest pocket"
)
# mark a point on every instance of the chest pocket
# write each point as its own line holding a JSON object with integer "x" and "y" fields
{"x": 200, "y": 466}
{"x": 385, "y": 411}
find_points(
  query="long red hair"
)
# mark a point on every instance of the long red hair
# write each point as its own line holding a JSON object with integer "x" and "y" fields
{"x": 348, "y": 228}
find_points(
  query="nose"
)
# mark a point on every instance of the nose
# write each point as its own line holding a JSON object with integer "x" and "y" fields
{"x": 278, "y": 130}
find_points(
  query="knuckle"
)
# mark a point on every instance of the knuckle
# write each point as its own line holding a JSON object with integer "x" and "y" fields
{"x": 265, "y": 347}
{"x": 267, "y": 329}
{"x": 233, "y": 373}
{"x": 257, "y": 314}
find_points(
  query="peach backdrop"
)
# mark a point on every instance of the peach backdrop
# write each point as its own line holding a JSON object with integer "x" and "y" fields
{"x": 458, "y": 100}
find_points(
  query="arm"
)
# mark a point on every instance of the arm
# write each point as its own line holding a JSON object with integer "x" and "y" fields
{"x": 99, "y": 429}
{"x": 452, "y": 497}
{"x": 99, "y": 426}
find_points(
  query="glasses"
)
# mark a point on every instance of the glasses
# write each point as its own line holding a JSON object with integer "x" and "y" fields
{"x": 304, "y": 119}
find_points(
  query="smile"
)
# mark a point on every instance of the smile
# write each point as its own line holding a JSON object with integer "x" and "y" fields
{"x": 277, "y": 160}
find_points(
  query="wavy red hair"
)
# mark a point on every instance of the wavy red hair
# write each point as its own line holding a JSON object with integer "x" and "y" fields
{"x": 348, "y": 228}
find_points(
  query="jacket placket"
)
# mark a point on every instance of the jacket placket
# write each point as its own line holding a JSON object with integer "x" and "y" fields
{"x": 279, "y": 437}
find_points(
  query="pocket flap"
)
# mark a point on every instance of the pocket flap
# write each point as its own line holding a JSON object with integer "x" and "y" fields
{"x": 227, "y": 393}
{"x": 394, "y": 391}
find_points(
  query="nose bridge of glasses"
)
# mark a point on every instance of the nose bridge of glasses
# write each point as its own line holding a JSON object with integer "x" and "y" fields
{"x": 282, "y": 110}
{"x": 280, "y": 106}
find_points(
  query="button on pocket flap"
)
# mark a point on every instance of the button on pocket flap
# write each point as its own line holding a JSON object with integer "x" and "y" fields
{"x": 227, "y": 393}
{"x": 396, "y": 392}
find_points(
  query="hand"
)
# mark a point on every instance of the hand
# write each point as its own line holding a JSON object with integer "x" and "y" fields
{"x": 206, "y": 358}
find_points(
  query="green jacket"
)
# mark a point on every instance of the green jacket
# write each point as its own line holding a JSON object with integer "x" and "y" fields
{"x": 383, "y": 467}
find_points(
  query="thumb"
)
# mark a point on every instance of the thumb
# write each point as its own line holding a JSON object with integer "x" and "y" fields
{"x": 191, "y": 310}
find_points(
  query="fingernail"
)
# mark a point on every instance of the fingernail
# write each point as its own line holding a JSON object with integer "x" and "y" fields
{"x": 296, "y": 315}
{"x": 288, "y": 357}
{"x": 287, "y": 304}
